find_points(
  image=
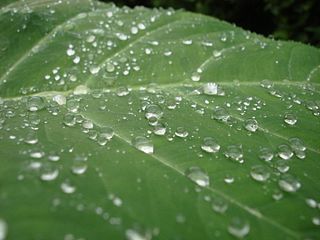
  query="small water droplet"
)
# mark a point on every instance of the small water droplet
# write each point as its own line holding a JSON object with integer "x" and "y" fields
{"x": 195, "y": 77}
{"x": 59, "y": 99}
{"x": 219, "y": 205}
{"x": 210, "y": 145}
{"x": 79, "y": 165}
{"x": 122, "y": 91}
{"x": 110, "y": 67}
{"x": 35, "y": 103}
{"x": 285, "y": 152}
{"x": 69, "y": 119}
{"x": 234, "y": 152}
{"x": 159, "y": 129}
{"x": 266, "y": 154}
{"x": 181, "y": 132}
{"x": 251, "y": 125}
{"x": 289, "y": 183}
{"x": 282, "y": 166}
{"x": 3, "y": 229}
{"x": 297, "y": 144}
{"x": 316, "y": 220}
{"x": 143, "y": 144}
{"x": 67, "y": 187}
{"x": 198, "y": 176}
{"x": 290, "y": 119}
{"x": 220, "y": 114}
{"x": 239, "y": 227}
{"x": 94, "y": 69}
{"x": 49, "y": 172}
{"x": 260, "y": 173}
{"x": 153, "y": 111}
{"x": 217, "y": 53}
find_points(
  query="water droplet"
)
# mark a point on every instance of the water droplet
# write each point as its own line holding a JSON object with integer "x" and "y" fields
{"x": 143, "y": 144}
{"x": 73, "y": 105}
{"x": 251, "y": 125}
{"x": 311, "y": 202}
{"x": 285, "y": 152}
{"x": 228, "y": 179}
{"x": 282, "y": 166}
{"x": 217, "y": 53}
{"x": 122, "y": 91}
{"x": 67, "y": 187}
{"x": 35, "y": 103}
{"x": 316, "y": 220}
{"x": 195, "y": 77}
{"x": 49, "y": 172}
{"x": 94, "y": 69}
{"x": 79, "y": 165}
{"x": 110, "y": 67}
{"x": 290, "y": 119}
{"x": 159, "y": 129}
{"x": 107, "y": 132}
{"x": 266, "y": 84}
{"x": 220, "y": 114}
{"x": 210, "y": 145}
{"x": 135, "y": 235}
{"x": 266, "y": 154}
{"x": 181, "y": 132}
{"x": 289, "y": 183}
{"x": 153, "y": 111}
{"x": 210, "y": 89}
{"x": 69, "y": 119}
{"x": 59, "y": 99}
{"x": 198, "y": 176}
{"x": 260, "y": 173}
{"x": 297, "y": 144}
{"x": 70, "y": 51}
{"x": 87, "y": 124}
{"x": 219, "y": 205}
{"x": 31, "y": 137}
{"x": 3, "y": 229}
{"x": 234, "y": 152}
{"x": 239, "y": 227}
{"x": 187, "y": 42}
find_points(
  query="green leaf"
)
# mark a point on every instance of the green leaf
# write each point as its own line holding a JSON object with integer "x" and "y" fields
{"x": 153, "y": 124}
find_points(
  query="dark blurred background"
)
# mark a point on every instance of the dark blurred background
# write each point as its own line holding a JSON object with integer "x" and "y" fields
{"x": 282, "y": 19}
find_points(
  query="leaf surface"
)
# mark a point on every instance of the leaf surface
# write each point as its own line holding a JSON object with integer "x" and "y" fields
{"x": 81, "y": 80}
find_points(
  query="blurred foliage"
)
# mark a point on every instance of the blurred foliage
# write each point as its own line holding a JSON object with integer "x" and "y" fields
{"x": 284, "y": 19}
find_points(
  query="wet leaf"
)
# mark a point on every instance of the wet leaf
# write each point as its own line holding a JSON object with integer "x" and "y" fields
{"x": 120, "y": 123}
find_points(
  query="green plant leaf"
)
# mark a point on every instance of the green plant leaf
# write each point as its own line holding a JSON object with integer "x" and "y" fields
{"x": 153, "y": 124}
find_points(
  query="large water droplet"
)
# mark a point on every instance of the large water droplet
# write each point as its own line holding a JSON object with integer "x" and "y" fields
{"x": 260, "y": 173}
{"x": 289, "y": 183}
{"x": 198, "y": 176}
{"x": 239, "y": 227}
{"x": 210, "y": 145}
{"x": 143, "y": 144}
